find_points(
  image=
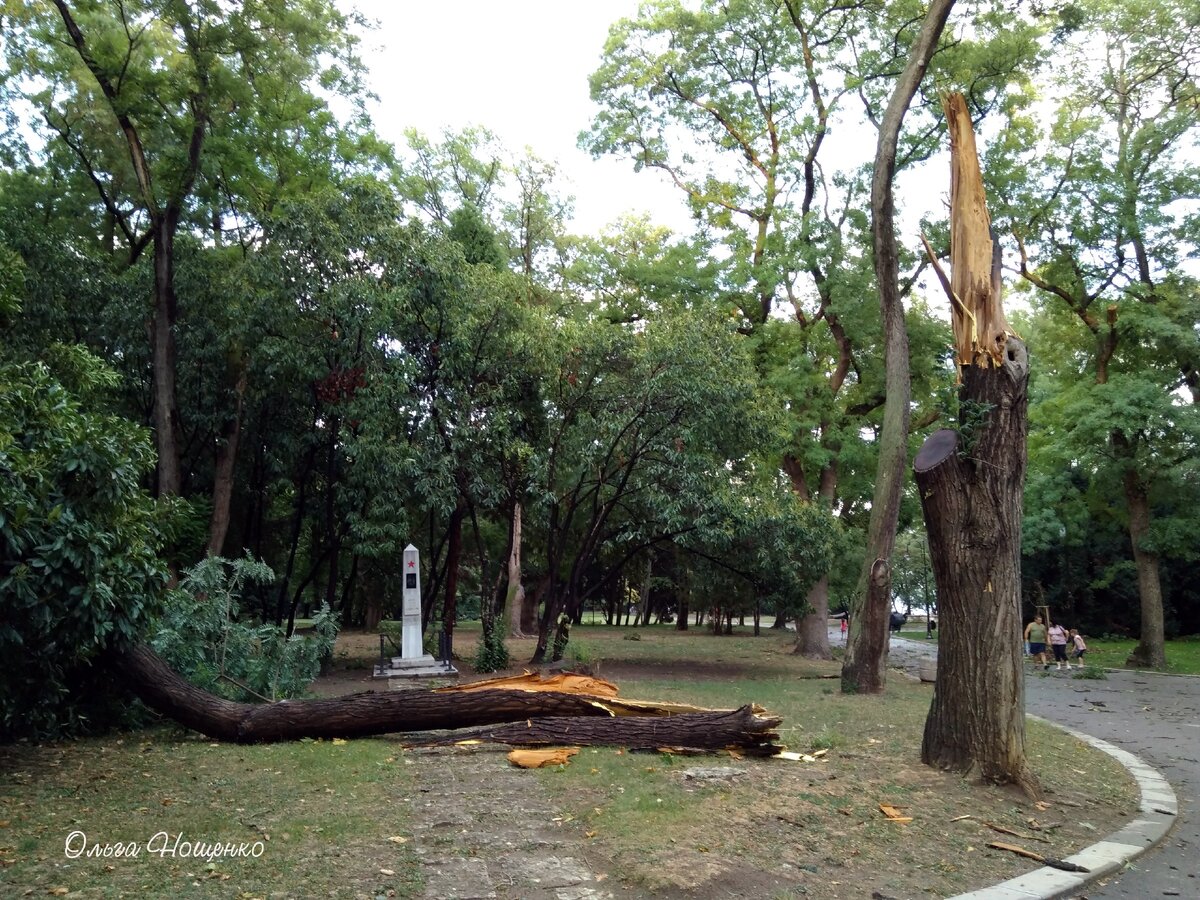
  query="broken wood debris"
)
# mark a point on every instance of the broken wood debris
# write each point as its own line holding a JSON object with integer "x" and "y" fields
{"x": 894, "y": 813}
{"x": 745, "y": 730}
{"x": 1037, "y": 857}
{"x": 530, "y": 710}
{"x": 1027, "y": 837}
{"x": 561, "y": 683}
{"x": 792, "y": 756}
{"x": 538, "y": 759}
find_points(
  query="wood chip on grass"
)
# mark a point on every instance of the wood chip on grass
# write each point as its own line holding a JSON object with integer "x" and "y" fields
{"x": 538, "y": 759}
{"x": 894, "y": 813}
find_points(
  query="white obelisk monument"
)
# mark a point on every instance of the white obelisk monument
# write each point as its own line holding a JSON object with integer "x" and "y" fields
{"x": 410, "y": 635}
{"x": 412, "y": 662}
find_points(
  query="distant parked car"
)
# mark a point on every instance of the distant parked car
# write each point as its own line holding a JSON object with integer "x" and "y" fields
{"x": 897, "y": 621}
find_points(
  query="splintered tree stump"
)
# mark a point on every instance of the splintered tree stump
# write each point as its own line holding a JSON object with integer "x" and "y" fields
{"x": 971, "y": 483}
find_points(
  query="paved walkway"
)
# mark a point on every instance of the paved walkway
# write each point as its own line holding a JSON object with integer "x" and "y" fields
{"x": 1156, "y": 717}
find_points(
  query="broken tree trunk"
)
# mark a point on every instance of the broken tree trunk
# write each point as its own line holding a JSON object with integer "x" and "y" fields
{"x": 745, "y": 730}
{"x": 971, "y": 483}
{"x": 526, "y": 699}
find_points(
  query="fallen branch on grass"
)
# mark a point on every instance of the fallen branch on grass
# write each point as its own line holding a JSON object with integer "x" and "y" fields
{"x": 549, "y": 714}
{"x": 1026, "y": 837}
{"x": 1037, "y": 857}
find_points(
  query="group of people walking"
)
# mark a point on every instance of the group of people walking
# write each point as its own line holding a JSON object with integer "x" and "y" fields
{"x": 1037, "y": 635}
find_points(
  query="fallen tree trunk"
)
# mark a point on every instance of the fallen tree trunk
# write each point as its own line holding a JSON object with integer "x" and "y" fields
{"x": 745, "y": 730}
{"x": 358, "y": 715}
{"x": 546, "y": 716}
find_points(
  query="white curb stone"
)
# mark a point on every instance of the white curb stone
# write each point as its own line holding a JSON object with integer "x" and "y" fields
{"x": 1156, "y": 816}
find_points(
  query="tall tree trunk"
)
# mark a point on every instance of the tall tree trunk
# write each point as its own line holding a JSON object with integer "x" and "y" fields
{"x": 812, "y": 630}
{"x": 971, "y": 498}
{"x": 1150, "y": 651}
{"x": 348, "y": 587}
{"x": 642, "y": 617}
{"x": 864, "y": 668}
{"x": 971, "y": 487}
{"x": 163, "y": 223}
{"x": 515, "y": 599}
{"x": 256, "y": 505}
{"x": 297, "y": 531}
{"x": 223, "y": 469}
{"x": 683, "y": 591}
{"x": 529, "y": 609}
{"x": 376, "y": 597}
{"x": 162, "y": 359}
{"x": 453, "y": 555}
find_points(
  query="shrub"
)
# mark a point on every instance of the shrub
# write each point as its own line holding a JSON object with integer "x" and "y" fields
{"x": 491, "y": 655}
{"x": 202, "y": 637}
{"x": 582, "y": 653}
{"x": 79, "y": 544}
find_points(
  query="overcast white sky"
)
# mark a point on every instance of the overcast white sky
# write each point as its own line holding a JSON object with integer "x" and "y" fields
{"x": 519, "y": 68}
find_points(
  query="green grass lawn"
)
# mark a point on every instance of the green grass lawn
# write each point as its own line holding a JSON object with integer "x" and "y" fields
{"x": 316, "y": 813}
{"x": 338, "y": 818}
{"x": 1183, "y": 654}
{"x": 825, "y": 812}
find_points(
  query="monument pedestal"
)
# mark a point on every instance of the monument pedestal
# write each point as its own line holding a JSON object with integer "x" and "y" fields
{"x": 413, "y": 662}
{"x": 424, "y": 666}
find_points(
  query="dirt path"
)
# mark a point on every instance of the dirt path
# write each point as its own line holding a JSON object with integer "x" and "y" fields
{"x": 484, "y": 829}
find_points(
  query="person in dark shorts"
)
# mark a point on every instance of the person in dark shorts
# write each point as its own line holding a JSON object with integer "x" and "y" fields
{"x": 1058, "y": 643}
{"x": 1035, "y": 636}
{"x": 1080, "y": 647}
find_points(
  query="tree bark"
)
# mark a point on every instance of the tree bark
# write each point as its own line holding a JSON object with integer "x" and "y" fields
{"x": 744, "y": 730}
{"x": 971, "y": 499}
{"x": 971, "y": 484}
{"x": 642, "y": 617}
{"x": 514, "y": 601}
{"x": 683, "y": 590}
{"x": 545, "y": 716}
{"x": 453, "y": 555}
{"x": 812, "y": 629}
{"x": 865, "y": 665}
{"x": 1150, "y": 651}
{"x": 162, "y": 360}
{"x": 356, "y": 715}
{"x": 223, "y": 469}
{"x": 812, "y": 639}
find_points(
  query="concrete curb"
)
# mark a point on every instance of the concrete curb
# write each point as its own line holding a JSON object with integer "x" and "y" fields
{"x": 1156, "y": 816}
